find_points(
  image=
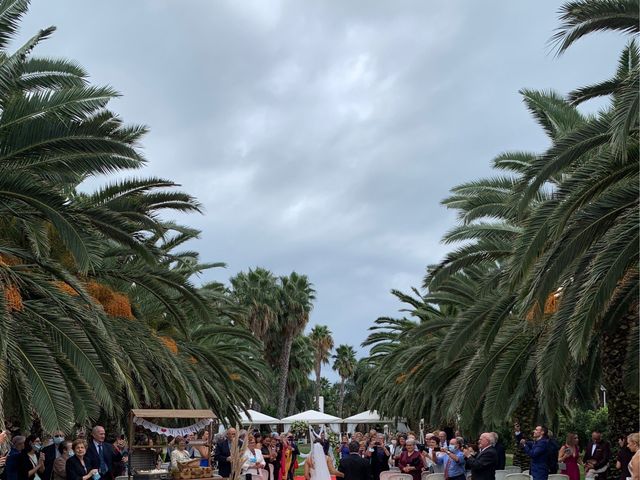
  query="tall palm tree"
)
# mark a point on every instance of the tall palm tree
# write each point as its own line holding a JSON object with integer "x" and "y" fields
{"x": 257, "y": 290}
{"x": 296, "y": 300}
{"x": 300, "y": 366}
{"x": 322, "y": 344}
{"x": 344, "y": 362}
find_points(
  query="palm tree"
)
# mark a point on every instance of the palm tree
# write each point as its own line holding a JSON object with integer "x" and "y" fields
{"x": 296, "y": 300}
{"x": 300, "y": 366}
{"x": 322, "y": 344}
{"x": 97, "y": 311}
{"x": 344, "y": 362}
{"x": 257, "y": 290}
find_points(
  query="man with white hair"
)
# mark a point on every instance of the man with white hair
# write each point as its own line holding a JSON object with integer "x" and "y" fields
{"x": 483, "y": 463}
{"x": 101, "y": 455}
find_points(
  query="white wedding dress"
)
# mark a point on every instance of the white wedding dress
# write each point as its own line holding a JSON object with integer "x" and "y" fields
{"x": 320, "y": 470}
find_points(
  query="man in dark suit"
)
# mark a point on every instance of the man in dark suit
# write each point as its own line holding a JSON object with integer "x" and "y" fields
{"x": 500, "y": 451}
{"x": 353, "y": 466}
{"x": 51, "y": 452}
{"x": 378, "y": 456}
{"x": 597, "y": 454}
{"x": 482, "y": 464}
{"x": 223, "y": 453}
{"x": 101, "y": 455}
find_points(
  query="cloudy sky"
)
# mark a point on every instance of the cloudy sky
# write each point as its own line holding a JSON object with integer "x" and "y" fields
{"x": 321, "y": 135}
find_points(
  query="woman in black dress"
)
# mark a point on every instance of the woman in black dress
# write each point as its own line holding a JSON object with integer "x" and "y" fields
{"x": 76, "y": 466}
{"x": 30, "y": 460}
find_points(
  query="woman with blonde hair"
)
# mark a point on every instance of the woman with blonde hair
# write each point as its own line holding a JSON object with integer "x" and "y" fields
{"x": 569, "y": 456}
{"x": 633, "y": 442}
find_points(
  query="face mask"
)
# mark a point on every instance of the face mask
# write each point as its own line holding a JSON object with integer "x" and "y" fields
{"x": 452, "y": 448}
{"x": 58, "y": 439}
{"x": 71, "y": 453}
{"x": 37, "y": 447}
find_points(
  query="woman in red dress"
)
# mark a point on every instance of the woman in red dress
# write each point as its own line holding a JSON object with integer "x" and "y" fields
{"x": 411, "y": 461}
{"x": 569, "y": 454}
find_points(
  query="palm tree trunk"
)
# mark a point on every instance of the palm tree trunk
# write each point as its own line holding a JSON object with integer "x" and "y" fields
{"x": 284, "y": 374}
{"x": 525, "y": 414}
{"x": 341, "y": 396}
{"x": 623, "y": 408}
{"x": 318, "y": 368}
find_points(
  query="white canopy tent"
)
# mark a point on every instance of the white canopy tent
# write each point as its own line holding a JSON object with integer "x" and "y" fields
{"x": 313, "y": 417}
{"x": 372, "y": 417}
{"x": 258, "y": 418}
{"x": 253, "y": 418}
{"x": 368, "y": 417}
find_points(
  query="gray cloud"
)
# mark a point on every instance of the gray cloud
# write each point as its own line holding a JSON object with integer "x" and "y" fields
{"x": 321, "y": 136}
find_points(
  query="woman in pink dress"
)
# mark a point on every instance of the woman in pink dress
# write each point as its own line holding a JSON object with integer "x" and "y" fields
{"x": 569, "y": 454}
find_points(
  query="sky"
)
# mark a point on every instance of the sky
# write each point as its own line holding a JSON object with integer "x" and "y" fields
{"x": 321, "y": 136}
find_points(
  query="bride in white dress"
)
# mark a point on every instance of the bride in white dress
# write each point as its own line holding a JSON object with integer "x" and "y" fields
{"x": 318, "y": 466}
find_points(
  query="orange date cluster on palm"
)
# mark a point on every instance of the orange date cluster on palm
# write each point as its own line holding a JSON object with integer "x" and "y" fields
{"x": 551, "y": 305}
{"x": 12, "y": 298}
{"x": 11, "y": 293}
{"x": 170, "y": 343}
{"x": 114, "y": 303}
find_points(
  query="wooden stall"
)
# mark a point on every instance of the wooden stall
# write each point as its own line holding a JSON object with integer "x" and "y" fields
{"x": 140, "y": 466}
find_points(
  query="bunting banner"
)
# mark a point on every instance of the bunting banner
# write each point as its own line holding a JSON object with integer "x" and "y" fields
{"x": 174, "y": 432}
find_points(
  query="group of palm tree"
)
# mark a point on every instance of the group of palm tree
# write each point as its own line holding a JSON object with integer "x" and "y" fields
{"x": 277, "y": 313}
{"x": 98, "y": 312}
{"x": 537, "y": 305}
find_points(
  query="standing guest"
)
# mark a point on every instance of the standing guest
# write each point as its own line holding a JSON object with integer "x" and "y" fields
{"x": 343, "y": 449}
{"x": 253, "y": 462}
{"x": 520, "y": 459}
{"x": 295, "y": 452}
{"x": 354, "y": 467}
{"x": 633, "y": 442}
{"x": 362, "y": 449}
{"x": 442, "y": 440}
{"x": 325, "y": 443}
{"x": 101, "y": 455}
{"x": 411, "y": 461}
{"x": 399, "y": 448}
{"x": 30, "y": 461}
{"x": 287, "y": 464}
{"x": 277, "y": 451}
{"x": 203, "y": 449}
{"x": 268, "y": 453}
{"x": 596, "y": 455}
{"x": 500, "y": 451}
{"x": 623, "y": 458}
{"x": 11, "y": 466}
{"x": 482, "y": 464}
{"x": 180, "y": 455}
{"x": 452, "y": 460}
{"x": 538, "y": 452}
{"x": 379, "y": 456}
{"x": 65, "y": 450}
{"x": 51, "y": 452}
{"x": 223, "y": 453}
{"x": 569, "y": 455}
{"x": 78, "y": 467}
{"x": 433, "y": 447}
{"x": 552, "y": 453}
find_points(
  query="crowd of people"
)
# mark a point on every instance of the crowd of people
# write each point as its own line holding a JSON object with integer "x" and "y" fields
{"x": 360, "y": 456}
